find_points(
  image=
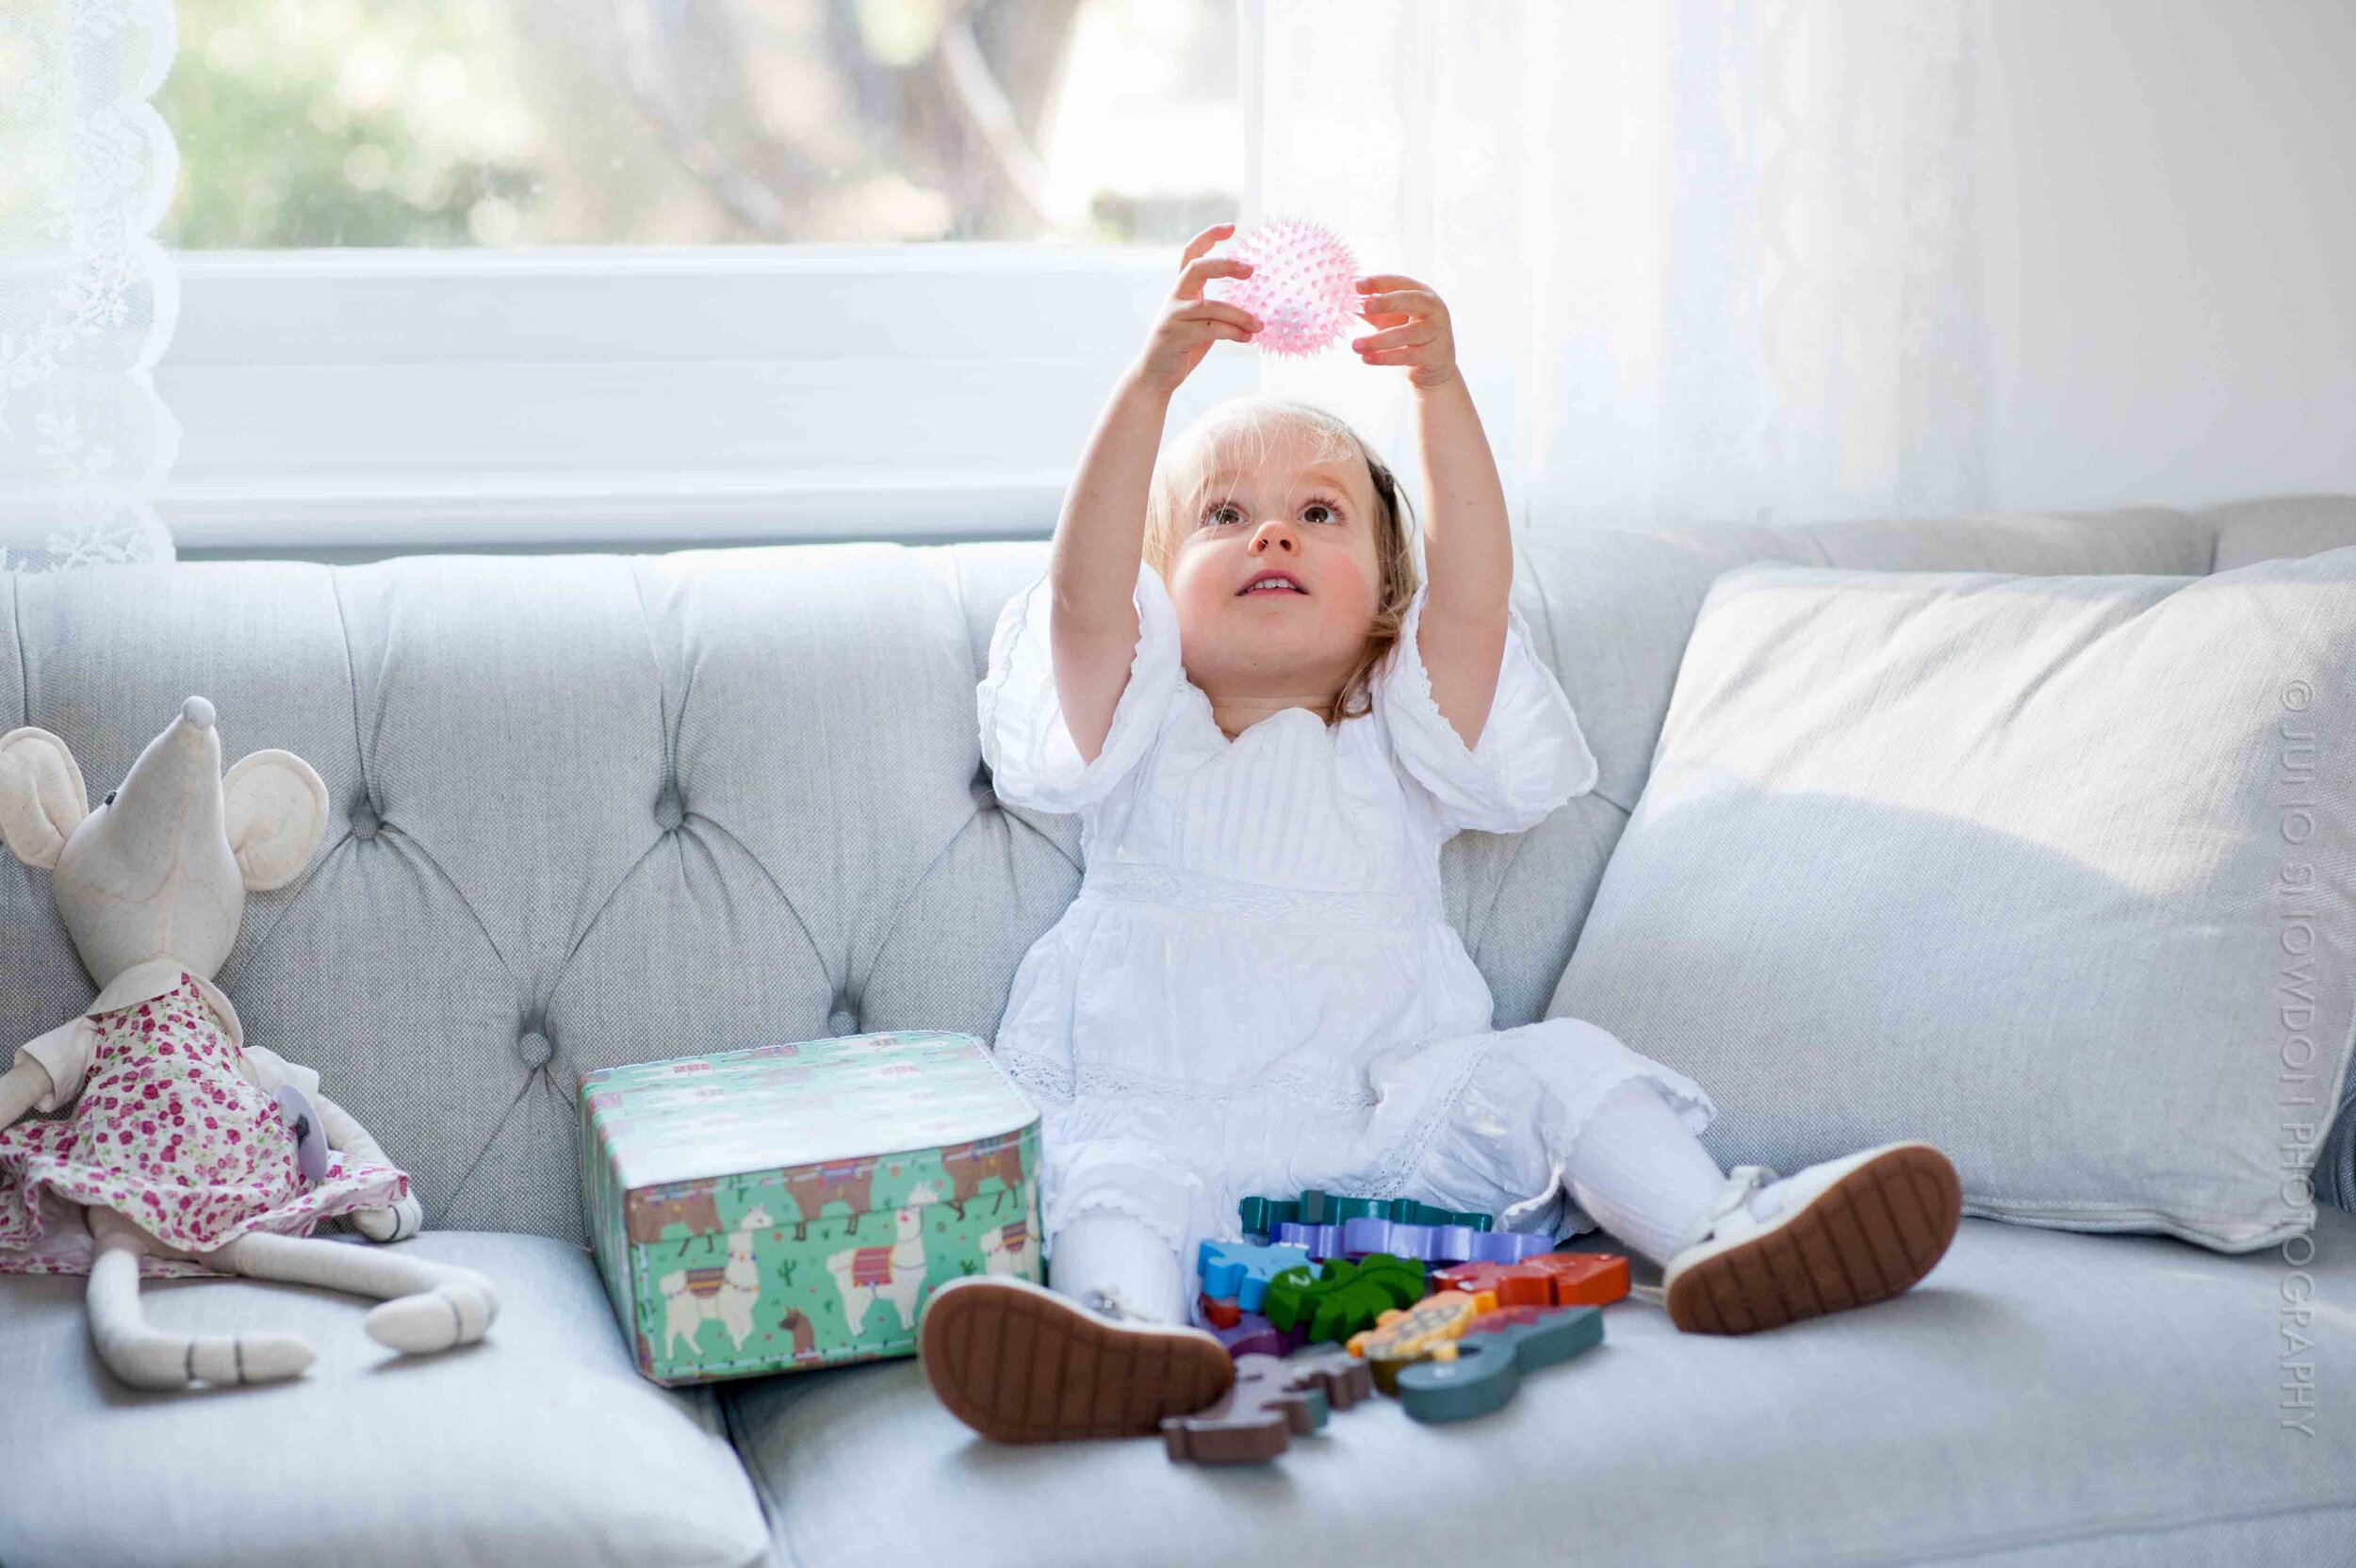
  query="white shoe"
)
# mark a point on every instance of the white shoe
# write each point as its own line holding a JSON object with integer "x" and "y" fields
{"x": 1022, "y": 1363}
{"x": 1837, "y": 1234}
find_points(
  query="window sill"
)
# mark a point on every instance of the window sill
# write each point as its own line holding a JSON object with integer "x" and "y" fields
{"x": 395, "y": 399}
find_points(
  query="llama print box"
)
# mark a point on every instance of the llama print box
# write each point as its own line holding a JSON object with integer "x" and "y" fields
{"x": 793, "y": 1206}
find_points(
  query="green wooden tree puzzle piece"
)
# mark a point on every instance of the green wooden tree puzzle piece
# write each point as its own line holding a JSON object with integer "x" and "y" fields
{"x": 1343, "y": 1297}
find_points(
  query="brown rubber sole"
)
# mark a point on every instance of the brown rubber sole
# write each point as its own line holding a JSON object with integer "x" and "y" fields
{"x": 1020, "y": 1364}
{"x": 1870, "y": 1235}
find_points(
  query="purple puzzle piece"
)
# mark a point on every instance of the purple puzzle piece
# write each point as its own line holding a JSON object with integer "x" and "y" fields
{"x": 1373, "y": 1234}
{"x": 1507, "y": 1246}
{"x": 1428, "y": 1243}
{"x": 1431, "y": 1244}
{"x": 1256, "y": 1335}
{"x": 1320, "y": 1241}
{"x": 1434, "y": 1244}
{"x": 1453, "y": 1242}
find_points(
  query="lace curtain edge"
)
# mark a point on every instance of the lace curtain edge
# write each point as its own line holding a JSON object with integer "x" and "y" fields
{"x": 89, "y": 300}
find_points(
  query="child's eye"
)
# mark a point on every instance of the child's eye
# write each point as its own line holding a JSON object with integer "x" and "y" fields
{"x": 1228, "y": 511}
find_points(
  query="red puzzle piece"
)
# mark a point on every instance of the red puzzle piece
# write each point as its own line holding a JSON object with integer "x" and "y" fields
{"x": 1548, "y": 1280}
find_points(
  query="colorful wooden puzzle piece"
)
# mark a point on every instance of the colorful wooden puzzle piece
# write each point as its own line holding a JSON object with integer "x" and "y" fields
{"x": 1479, "y": 1372}
{"x": 1264, "y": 1217}
{"x": 1261, "y": 1216}
{"x": 1252, "y": 1421}
{"x": 1406, "y": 1336}
{"x": 1255, "y": 1335}
{"x": 1434, "y": 1244}
{"x": 1548, "y": 1280}
{"x": 1239, "y": 1273}
{"x": 1343, "y": 1297}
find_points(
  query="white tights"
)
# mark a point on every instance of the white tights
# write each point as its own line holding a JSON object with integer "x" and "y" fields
{"x": 1636, "y": 1168}
{"x": 1640, "y": 1172}
{"x": 1107, "y": 1250}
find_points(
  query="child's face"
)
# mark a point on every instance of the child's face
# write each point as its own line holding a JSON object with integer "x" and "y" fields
{"x": 1313, "y": 523}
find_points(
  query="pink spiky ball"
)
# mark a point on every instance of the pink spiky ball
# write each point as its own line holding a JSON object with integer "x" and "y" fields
{"x": 1302, "y": 287}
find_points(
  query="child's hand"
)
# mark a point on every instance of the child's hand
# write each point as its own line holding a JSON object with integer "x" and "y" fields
{"x": 1419, "y": 336}
{"x": 1190, "y": 324}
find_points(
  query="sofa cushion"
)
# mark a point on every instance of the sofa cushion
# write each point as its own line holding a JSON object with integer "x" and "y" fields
{"x": 2058, "y": 873}
{"x": 2064, "y": 1397}
{"x": 541, "y": 1444}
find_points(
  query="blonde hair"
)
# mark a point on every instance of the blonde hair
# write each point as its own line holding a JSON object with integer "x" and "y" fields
{"x": 1240, "y": 431}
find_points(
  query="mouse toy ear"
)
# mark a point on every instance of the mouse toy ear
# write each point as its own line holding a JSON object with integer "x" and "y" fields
{"x": 42, "y": 798}
{"x": 275, "y": 808}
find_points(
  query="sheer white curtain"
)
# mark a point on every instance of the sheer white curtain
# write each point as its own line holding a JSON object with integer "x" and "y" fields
{"x": 1706, "y": 259}
{"x": 88, "y": 299}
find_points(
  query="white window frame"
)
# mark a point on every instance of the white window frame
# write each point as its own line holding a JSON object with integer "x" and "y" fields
{"x": 608, "y": 397}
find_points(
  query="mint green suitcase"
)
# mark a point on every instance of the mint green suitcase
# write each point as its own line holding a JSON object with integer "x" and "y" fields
{"x": 793, "y": 1206}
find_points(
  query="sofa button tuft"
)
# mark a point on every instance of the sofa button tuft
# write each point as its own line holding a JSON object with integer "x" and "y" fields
{"x": 843, "y": 1020}
{"x": 364, "y": 821}
{"x": 534, "y": 1046}
{"x": 668, "y": 811}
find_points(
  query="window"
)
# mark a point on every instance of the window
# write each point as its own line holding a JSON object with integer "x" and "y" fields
{"x": 472, "y": 272}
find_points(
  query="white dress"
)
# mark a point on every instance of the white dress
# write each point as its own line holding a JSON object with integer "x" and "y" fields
{"x": 1257, "y": 989}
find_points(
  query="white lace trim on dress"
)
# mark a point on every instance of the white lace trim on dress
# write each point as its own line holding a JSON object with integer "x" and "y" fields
{"x": 1407, "y": 1154}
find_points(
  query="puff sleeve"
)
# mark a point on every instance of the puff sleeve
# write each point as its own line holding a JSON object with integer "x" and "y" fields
{"x": 1032, "y": 759}
{"x": 1531, "y": 756}
{"x": 64, "y": 1054}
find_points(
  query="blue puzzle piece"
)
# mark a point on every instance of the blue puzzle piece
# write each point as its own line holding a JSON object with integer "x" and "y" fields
{"x": 1237, "y": 1271}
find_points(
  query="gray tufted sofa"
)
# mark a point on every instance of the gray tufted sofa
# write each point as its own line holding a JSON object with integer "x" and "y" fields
{"x": 600, "y": 808}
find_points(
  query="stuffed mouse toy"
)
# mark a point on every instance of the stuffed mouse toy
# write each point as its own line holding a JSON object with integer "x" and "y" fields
{"x": 189, "y": 1151}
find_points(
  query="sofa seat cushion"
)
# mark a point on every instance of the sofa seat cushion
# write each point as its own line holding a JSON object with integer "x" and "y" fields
{"x": 2041, "y": 1396}
{"x": 541, "y": 1444}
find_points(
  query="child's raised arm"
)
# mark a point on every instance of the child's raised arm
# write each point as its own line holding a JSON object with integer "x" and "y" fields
{"x": 1099, "y": 538}
{"x": 1467, "y": 541}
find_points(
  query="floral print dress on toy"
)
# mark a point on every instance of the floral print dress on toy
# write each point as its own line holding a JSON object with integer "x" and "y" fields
{"x": 173, "y": 1125}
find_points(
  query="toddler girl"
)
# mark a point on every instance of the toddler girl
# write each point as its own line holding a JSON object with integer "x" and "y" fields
{"x": 1269, "y": 720}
